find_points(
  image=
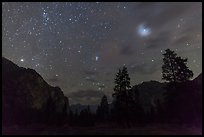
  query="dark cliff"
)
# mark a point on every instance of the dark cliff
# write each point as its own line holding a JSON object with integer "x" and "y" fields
{"x": 27, "y": 96}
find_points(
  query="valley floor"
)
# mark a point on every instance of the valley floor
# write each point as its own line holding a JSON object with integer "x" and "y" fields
{"x": 103, "y": 130}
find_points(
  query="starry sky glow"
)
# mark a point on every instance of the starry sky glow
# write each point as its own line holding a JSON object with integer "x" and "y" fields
{"x": 79, "y": 46}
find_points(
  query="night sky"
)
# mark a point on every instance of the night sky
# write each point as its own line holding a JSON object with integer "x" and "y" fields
{"x": 80, "y": 46}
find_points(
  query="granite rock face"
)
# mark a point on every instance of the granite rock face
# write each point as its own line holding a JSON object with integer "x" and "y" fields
{"x": 151, "y": 91}
{"x": 24, "y": 91}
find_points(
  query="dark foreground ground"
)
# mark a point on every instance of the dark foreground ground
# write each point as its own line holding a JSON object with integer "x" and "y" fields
{"x": 103, "y": 130}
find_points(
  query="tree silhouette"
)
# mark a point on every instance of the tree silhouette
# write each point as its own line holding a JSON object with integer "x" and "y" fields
{"x": 103, "y": 109}
{"x": 183, "y": 74}
{"x": 122, "y": 82}
{"x": 85, "y": 117}
{"x": 178, "y": 74}
{"x": 120, "y": 95}
{"x": 174, "y": 68}
{"x": 136, "y": 111}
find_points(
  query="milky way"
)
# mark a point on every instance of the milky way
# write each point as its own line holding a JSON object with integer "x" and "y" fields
{"x": 80, "y": 46}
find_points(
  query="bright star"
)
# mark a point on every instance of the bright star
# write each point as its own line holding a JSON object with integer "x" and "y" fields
{"x": 143, "y": 30}
{"x": 22, "y": 60}
{"x": 97, "y": 58}
{"x": 37, "y": 65}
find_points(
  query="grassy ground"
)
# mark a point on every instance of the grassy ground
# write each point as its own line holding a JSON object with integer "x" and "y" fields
{"x": 103, "y": 130}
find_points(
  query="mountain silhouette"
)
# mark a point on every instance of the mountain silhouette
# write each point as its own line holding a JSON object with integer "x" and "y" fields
{"x": 151, "y": 91}
{"x": 26, "y": 95}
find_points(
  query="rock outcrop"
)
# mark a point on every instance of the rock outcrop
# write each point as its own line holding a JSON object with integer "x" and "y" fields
{"x": 25, "y": 92}
{"x": 182, "y": 103}
{"x": 151, "y": 91}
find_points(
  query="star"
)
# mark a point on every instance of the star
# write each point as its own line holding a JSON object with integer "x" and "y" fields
{"x": 143, "y": 31}
{"x": 97, "y": 58}
{"x": 187, "y": 44}
{"x": 37, "y": 65}
{"x": 22, "y": 60}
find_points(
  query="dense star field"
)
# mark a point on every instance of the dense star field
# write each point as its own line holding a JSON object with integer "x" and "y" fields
{"x": 80, "y": 46}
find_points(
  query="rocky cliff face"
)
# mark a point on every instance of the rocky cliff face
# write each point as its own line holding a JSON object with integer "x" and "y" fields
{"x": 24, "y": 89}
{"x": 151, "y": 91}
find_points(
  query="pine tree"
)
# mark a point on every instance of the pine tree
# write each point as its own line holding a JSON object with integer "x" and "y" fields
{"x": 122, "y": 84}
{"x": 183, "y": 74}
{"x": 120, "y": 95}
{"x": 86, "y": 117}
{"x": 98, "y": 113}
{"x": 169, "y": 67}
{"x": 174, "y": 68}
{"x": 103, "y": 109}
{"x": 177, "y": 73}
